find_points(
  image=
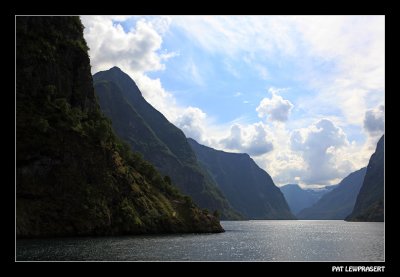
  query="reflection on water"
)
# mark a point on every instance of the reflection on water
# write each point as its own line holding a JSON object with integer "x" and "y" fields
{"x": 261, "y": 240}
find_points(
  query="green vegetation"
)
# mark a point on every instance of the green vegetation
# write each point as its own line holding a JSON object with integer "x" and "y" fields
{"x": 148, "y": 132}
{"x": 74, "y": 176}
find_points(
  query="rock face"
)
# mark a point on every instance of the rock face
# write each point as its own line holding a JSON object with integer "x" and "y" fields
{"x": 148, "y": 132}
{"x": 299, "y": 199}
{"x": 247, "y": 187}
{"x": 338, "y": 203}
{"x": 369, "y": 205}
{"x": 73, "y": 175}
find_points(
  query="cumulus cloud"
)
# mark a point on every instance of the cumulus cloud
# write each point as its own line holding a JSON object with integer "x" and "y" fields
{"x": 253, "y": 139}
{"x": 275, "y": 108}
{"x": 258, "y": 143}
{"x": 138, "y": 49}
{"x": 234, "y": 140}
{"x": 374, "y": 121}
{"x": 312, "y": 154}
{"x": 191, "y": 122}
{"x": 351, "y": 47}
{"x": 319, "y": 146}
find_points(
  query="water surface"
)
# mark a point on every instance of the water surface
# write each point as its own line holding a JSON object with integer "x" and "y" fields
{"x": 260, "y": 240}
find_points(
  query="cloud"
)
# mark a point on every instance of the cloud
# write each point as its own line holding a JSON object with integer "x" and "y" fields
{"x": 374, "y": 121}
{"x": 232, "y": 35}
{"x": 258, "y": 143}
{"x": 137, "y": 52}
{"x": 231, "y": 69}
{"x": 338, "y": 58}
{"x": 339, "y": 61}
{"x": 191, "y": 122}
{"x": 194, "y": 72}
{"x": 262, "y": 71}
{"x": 253, "y": 139}
{"x": 319, "y": 146}
{"x": 275, "y": 108}
{"x": 234, "y": 140}
{"x": 136, "y": 49}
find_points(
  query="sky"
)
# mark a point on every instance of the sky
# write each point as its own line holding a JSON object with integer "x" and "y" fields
{"x": 302, "y": 95}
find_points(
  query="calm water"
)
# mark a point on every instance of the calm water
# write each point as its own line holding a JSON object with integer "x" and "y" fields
{"x": 260, "y": 240}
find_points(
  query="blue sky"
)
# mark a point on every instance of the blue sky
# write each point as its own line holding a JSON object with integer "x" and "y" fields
{"x": 303, "y": 95}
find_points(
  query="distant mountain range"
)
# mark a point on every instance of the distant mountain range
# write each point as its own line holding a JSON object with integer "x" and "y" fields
{"x": 299, "y": 199}
{"x": 160, "y": 142}
{"x": 339, "y": 202}
{"x": 248, "y": 188}
{"x": 369, "y": 205}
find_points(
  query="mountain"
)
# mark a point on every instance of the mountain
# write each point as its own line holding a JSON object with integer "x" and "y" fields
{"x": 338, "y": 203}
{"x": 299, "y": 199}
{"x": 369, "y": 204}
{"x": 248, "y": 188}
{"x": 73, "y": 175}
{"x": 148, "y": 132}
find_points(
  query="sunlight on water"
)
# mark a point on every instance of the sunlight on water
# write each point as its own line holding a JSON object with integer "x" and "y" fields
{"x": 261, "y": 240}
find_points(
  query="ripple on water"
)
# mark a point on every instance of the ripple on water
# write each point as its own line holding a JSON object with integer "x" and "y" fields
{"x": 258, "y": 240}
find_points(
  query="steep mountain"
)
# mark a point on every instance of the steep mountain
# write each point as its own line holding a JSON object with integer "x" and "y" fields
{"x": 73, "y": 175}
{"x": 299, "y": 199}
{"x": 369, "y": 204}
{"x": 248, "y": 188}
{"x": 148, "y": 132}
{"x": 338, "y": 203}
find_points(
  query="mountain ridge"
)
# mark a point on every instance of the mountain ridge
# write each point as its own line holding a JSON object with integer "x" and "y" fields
{"x": 339, "y": 202}
{"x": 247, "y": 187}
{"x": 74, "y": 177}
{"x": 369, "y": 205}
{"x": 299, "y": 198}
{"x": 160, "y": 142}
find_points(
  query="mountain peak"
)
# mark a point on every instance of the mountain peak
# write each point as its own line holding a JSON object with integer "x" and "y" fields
{"x": 161, "y": 143}
{"x": 122, "y": 80}
{"x": 115, "y": 68}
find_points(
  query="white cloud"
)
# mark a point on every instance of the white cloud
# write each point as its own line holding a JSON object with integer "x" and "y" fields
{"x": 262, "y": 71}
{"x": 275, "y": 108}
{"x": 136, "y": 52}
{"x": 110, "y": 45}
{"x": 156, "y": 95}
{"x": 318, "y": 153}
{"x": 254, "y": 139}
{"x": 319, "y": 146}
{"x": 374, "y": 121}
{"x": 234, "y": 34}
{"x": 354, "y": 49}
{"x": 231, "y": 69}
{"x": 235, "y": 139}
{"x": 191, "y": 122}
{"x": 194, "y": 72}
{"x": 351, "y": 47}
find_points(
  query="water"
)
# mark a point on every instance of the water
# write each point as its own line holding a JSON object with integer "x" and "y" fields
{"x": 261, "y": 240}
